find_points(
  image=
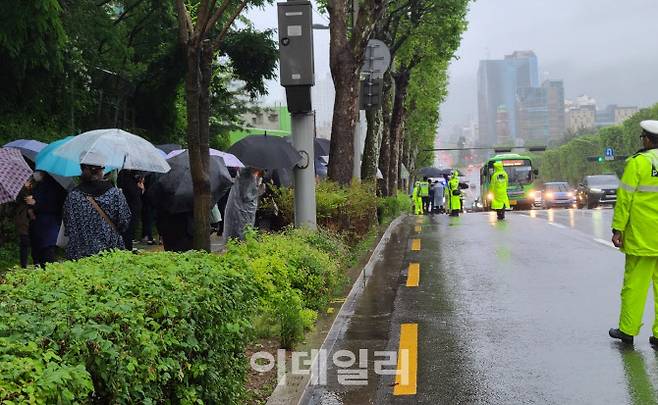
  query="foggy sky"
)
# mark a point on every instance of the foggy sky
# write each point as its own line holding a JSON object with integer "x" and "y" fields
{"x": 604, "y": 48}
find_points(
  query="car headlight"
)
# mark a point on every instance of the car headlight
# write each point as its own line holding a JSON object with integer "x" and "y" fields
{"x": 490, "y": 196}
{"x": 570, "y": 195}
{"x": 549, "y": 195}
{"x": 595, "y": 190}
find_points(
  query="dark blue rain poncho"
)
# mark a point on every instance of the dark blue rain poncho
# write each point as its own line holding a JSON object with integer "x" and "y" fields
{"x": 241, "y": 206}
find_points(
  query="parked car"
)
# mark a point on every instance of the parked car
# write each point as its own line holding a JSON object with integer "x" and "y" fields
{"x": 597, "y": 190}
{"x": 558, "y": 194}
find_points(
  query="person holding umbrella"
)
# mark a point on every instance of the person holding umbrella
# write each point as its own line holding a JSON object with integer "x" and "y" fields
{"x": 95, "y": 213}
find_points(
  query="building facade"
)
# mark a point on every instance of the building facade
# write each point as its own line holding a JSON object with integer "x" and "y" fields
{"x": 498, "y": 84}
{"x": 580, "y": 118}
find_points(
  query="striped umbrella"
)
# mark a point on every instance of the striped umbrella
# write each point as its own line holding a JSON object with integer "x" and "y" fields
{"x": 14, "y": 172}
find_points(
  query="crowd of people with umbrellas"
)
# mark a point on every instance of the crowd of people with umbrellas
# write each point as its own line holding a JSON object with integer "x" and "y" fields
{"x": 89, "y": 193}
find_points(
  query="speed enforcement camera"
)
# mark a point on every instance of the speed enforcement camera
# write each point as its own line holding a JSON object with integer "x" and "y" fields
{"x": 296, "y": 43}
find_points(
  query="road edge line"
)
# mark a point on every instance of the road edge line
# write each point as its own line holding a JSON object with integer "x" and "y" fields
{"x": 345, "y": 311}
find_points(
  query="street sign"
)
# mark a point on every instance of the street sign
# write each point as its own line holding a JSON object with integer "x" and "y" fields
{"x": 371, "y": 93}
{"x": 377, "y": 59}
{"x": 609, "y": 154}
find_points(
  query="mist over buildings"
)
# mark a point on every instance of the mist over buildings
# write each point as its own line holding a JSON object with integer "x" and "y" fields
{"x": 602, "y": 48}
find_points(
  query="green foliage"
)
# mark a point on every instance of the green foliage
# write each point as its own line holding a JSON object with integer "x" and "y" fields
{"x": 569, "y": 161}
{"x": 350, "y": 211}
{"x": 391, "y": 207}
{"x": 299, "y": 270}
{"x": 142, "y": 329}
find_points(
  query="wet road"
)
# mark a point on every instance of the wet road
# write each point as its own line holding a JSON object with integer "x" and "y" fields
{"x": 498, "y": 313}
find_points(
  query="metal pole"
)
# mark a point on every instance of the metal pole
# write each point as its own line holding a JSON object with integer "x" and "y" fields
{"x": 302, "y": 127}
{"x": 356, "y": 164}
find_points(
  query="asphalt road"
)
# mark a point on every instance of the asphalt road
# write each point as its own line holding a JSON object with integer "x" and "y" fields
{"x": 513, "y": 312}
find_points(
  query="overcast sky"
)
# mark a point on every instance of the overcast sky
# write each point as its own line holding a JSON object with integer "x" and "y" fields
{"x": 604, "y": 48}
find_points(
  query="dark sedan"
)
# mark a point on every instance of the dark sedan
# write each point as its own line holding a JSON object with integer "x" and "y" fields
{"x": 598, "y": 190}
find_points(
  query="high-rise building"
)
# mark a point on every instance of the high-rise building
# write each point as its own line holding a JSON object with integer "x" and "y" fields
{"x": 498, "y": 84}
{"x": 555, "y": 101}
{"x": 614, "y": 115}
{"x": 540, "y": 112}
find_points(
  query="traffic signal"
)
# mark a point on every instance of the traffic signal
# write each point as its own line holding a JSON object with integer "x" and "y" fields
{"x": 600, "y": 159}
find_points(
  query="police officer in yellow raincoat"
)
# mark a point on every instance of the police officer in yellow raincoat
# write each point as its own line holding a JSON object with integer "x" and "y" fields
{"x": 498, "y": 190}
{"x": 417, "y": 199}
{"x": 635, "y": 231}
{"x": 453, "y": 195}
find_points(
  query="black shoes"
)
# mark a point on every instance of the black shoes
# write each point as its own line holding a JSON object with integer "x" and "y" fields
{"x": 628, "y": 339}
{"x": 653, "y": 341}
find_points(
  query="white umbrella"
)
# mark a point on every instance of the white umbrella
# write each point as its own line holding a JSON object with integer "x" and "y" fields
{"x": 114, "y": 148}
{"x": 229, "y": 159}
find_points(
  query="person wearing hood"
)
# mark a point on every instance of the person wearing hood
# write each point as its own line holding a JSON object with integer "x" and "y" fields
{"x": 498, "y": 190}
{"x": 96, "y": 214}
{"x": 242, "y": 203}
{"x": 634, "y": 227}
{"x": 453, "y": 195}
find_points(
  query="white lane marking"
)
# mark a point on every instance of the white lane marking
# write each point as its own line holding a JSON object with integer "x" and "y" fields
{"x": 604, "y": 242}
{"x": 555, "y": 224}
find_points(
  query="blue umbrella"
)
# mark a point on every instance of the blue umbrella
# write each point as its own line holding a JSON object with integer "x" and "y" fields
{"x": 47, "y": 161}
{"x": 28, "y": 147}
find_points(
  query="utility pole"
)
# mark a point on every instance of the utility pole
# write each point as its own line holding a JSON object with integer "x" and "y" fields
{"x": 356, "y": 163}
{"x": 297, "y": 74}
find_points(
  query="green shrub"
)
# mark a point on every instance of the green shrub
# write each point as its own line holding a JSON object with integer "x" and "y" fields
{"x": 299, "y": 270}
{"x": 391, "y": 207}
{"x": 142, "y": 329}
{"x": 350, "y": 211}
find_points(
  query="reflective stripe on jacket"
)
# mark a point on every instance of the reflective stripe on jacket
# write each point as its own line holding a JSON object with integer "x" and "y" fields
{"x": 636, "y": 211}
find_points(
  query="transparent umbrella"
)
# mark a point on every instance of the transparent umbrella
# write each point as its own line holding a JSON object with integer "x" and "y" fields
{"x": 114, "y": 148}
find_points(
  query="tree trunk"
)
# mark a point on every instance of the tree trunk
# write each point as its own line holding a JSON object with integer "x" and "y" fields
{"x": 397, "y": 118}
{"x": 341, "y": 153}
{"x": 372, "y": 144}
{"x": 385, "y": 144}
{"x": 196, "y": 92}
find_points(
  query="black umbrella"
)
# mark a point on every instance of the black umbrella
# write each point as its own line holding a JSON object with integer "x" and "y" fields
{"x": 322, "y": 147}
{"x": 436, "y": 172}
{"x": 169, "y": 147}
{"x": 431, "y": 172}
{"x": 172, "y": 192}
{"x": 266, "y": 152}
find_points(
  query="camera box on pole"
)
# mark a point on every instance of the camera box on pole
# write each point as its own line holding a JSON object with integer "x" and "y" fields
{"x": 297, "y": 71}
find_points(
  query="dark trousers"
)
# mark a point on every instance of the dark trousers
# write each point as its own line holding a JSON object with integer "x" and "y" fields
{"x": 43, "y": 255}
{"x": 147, "y": 222}
{"x": 24, "y": 249}
{"x": 426, "y": 204}
{"x": 129, "y": 235}
{"x": 500, "y": 213}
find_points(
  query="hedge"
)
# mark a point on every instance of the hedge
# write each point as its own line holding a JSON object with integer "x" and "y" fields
{"x": 159, "y": 327}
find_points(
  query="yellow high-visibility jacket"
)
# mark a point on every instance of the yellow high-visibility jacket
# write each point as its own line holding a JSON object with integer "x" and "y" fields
{"x": 498, "y": 187}
{"x": 424, "y": 188}
{"x": 636, "y": 211}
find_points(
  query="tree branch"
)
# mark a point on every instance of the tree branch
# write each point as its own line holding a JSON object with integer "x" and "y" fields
{"x": 220, "y": 12}
{"x": 184, "y": 22}
{"x": 218, "y": 40}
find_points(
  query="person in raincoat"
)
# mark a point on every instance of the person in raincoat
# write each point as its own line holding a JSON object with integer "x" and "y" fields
{"x": 242, "y": 203}
{"x": 453, "y": 195}
{"x": 498, "y": 190}
{"x": 634, "y": 226}
{"x": 417, "y": 199}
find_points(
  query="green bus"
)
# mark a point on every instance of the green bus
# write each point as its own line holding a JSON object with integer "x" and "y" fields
{"x": 522, "y": 175}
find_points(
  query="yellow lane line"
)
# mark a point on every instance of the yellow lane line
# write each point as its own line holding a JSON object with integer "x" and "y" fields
{"x": 420, "y": 220}
{"x": 413, "y": 275}
{"x": 418, "y": 228}
{"x": 407, "y": 369}
{"x": 415, "y": 245}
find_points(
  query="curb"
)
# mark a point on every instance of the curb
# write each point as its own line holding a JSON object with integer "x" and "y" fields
{"x": 282, "y": 394}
